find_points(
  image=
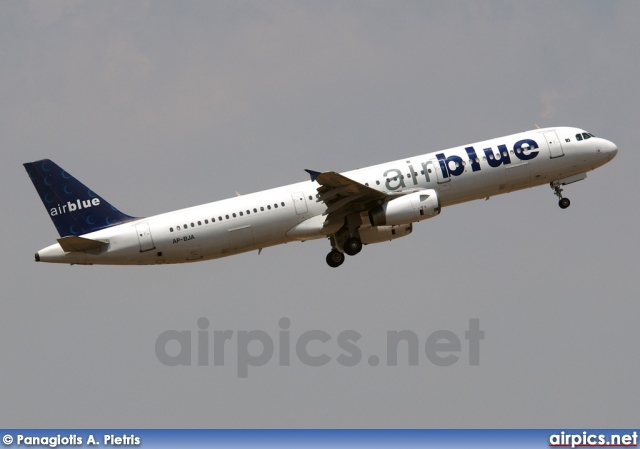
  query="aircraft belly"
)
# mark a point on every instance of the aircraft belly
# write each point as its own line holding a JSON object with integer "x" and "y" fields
{"x": 518, "y": 176}
{"x": 216, "y": 244}
{"x": 240, "y": 239}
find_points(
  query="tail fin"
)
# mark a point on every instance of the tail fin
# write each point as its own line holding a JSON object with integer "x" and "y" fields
{"x": 73, "y": 207}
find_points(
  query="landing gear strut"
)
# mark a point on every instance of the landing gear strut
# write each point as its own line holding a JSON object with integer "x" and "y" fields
{"x": 345, "y": 241}
{"x": 564, "y": 202}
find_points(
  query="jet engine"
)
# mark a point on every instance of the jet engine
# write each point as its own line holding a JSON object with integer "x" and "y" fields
{"x": 406, "y": 209}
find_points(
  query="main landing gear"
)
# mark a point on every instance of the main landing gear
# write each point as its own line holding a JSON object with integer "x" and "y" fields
{"x": 564, "y": 202}
{"x": 335, "y": 258}
{"x": 351, "y": 247}
{"x": 345, "y": 241}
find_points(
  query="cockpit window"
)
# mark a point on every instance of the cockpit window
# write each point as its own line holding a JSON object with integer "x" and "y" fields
{"x": 584, "y": 136}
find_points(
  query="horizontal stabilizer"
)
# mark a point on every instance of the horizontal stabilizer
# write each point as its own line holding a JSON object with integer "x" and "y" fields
{"x": 74, "y": 243}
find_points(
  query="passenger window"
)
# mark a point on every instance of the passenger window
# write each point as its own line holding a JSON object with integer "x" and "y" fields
{"x": 269, "y": 207}
{"x": 177, "y": 228}
{"x": 262, "y": 209}
{"x": 206, "y": 221}
{"x": 199, "y": 223}
{"x": 310, "y": 197}
{"x": 170, "y": 229}
{"x": 226, "y": 216}
{"x": 248, "y": 211}
{"x": 282, "y": 203}
{"x": 234, "y": 215}
{"x": 213, "y": 220}
{"x": 378, "y": 183}
{"x": 241, "y": 213}
{"x": 255, "y": 210}
{"x": 275, "y": 205}
{"x": 193, "y": 225}
{"x": 185, "y": 226}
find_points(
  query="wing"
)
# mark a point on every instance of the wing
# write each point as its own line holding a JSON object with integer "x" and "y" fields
{"x": 344, "y": 196}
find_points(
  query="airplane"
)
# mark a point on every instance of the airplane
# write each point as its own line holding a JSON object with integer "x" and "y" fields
{"x": 360, "y": 207}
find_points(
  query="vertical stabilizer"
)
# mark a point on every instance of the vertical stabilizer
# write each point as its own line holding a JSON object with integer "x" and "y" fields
{"x": 73, "y": 207}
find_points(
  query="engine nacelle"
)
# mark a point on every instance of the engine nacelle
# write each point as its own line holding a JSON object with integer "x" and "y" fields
{"x": 406, "y": 209}
{"x": 377, "y": 234}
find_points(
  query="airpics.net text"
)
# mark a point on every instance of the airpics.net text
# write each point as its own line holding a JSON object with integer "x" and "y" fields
{"x": 255, "y": 348}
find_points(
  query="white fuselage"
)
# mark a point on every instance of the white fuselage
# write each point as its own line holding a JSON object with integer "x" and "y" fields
{"x": 258, "y": 220}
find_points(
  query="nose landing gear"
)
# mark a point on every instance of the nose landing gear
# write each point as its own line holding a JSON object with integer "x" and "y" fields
{"x": 564, "y": 202}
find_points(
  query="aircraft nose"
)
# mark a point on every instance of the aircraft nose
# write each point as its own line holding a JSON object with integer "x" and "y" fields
{"x": 612, "y": 149}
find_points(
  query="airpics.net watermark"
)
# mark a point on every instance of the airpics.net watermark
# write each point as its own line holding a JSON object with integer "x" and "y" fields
{"x": 257, "y": 348}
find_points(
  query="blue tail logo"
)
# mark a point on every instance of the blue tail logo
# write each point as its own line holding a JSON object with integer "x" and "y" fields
{"x": 73, "y": 207}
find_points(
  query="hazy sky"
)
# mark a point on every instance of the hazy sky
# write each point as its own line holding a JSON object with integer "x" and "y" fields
{"x": 163, "y": 105}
